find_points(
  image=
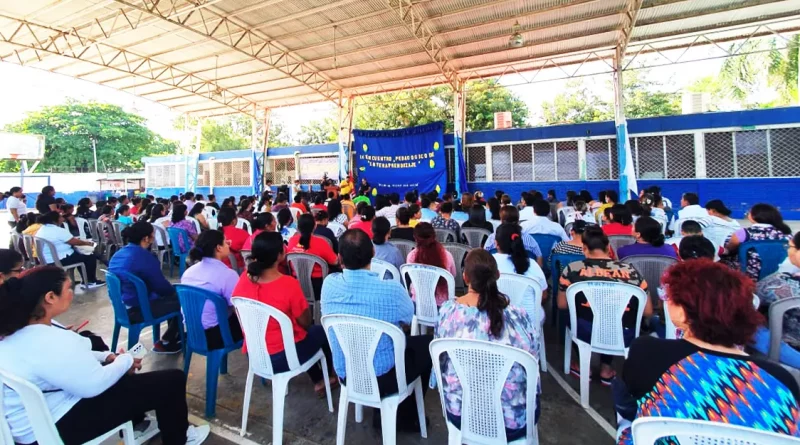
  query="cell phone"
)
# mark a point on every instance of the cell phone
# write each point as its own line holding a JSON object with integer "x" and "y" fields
{"x": 138, "y": 351}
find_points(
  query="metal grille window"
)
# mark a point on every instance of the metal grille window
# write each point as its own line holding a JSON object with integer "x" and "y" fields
{"x": 598, "y": 165}
{"x": 783, "y": 146}
{"x": 161, "y": 175}
{"x": 448, "y": 156}
{"x": 751, "y": 154}
{"x": 719, "y": 155}
{"x": 476, "y": 164}
{"x": 313, "y": 169}
{"x": 567, "y": 161}
{"x": 544, "y": 162}
{"x": 501, "y": 163}
{"x": 181, "y": 179}
{"x": 612, "y": 148}
{"x": 204, "y": 174}
{"x": 283, "y": 171}
{"x": 523, "y": 162}
{"x": 680, "y": 156}
{"x": 650, "y": 155}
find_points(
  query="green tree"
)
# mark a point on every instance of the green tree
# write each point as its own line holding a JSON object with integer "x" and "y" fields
{"x": 319, "y": 131}
{"x": 234, "y": 132}
{"x": 578, "y": 104}
{"x": 486, "y": 97}
{"x": 643, "y": 97}
{"x": 766, "y": 66}
{"x": 121, "y": 138}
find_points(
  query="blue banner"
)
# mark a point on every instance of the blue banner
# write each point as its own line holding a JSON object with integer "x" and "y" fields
{"x": 397, "y": 161}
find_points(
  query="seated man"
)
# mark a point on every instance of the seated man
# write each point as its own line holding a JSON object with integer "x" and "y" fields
{"x": 445, "y": 221}
{"x": 691, "y": 209}
{"x": 510, "y": 215}
{"x": 688, "y": 228}
{"x": 541, "y": 223}
{"x": 358, "y": 291}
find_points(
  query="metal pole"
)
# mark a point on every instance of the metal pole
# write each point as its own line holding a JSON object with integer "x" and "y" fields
{"x": 264, "y": 146}
{"x": 94, "y": 152}
{"x": 627, "y": 173}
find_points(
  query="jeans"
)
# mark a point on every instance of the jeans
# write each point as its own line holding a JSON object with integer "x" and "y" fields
{"x": 88, "y": 260}
{"x": 158, "y": 308}
{"x": 306, "y": 348}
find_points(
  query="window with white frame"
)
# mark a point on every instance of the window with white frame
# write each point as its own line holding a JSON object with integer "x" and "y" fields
{"x": 476, "y": 163}
{"x": 204, "y": 174}
{"x": 180, "y": 180}
{"x": 650, "y": 155}
{"x": 161, "y": 175}
{"x": 501, "y": 163}
{"x": 312, "y": 169}
{"x": 282, "y": 171}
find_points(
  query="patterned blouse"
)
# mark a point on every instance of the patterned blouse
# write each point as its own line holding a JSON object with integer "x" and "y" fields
{"x": 779, "y": 286}
{"x": 756, "y": 232}
{"x": 461, "y": 321}
{"x": 565, "y": 247}
{"x": 190, "y": 228}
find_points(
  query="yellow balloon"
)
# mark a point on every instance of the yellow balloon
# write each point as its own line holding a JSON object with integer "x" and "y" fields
{"x": 374, "y": 192}
{"x": 436, "y": 145}
{"x": 431, "y": 163}
{"x": 438, "y": 189}
{"x": 362, "y": 168}
{"x": 364, "y": 147}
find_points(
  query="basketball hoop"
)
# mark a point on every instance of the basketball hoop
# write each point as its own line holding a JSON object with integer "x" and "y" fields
{"x": 13, "y": 156}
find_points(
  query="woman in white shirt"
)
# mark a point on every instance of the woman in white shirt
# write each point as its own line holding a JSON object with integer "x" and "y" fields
{"x": 88, "y": 393}
{"x": 15, "y": 205}
{"x": 512, "y": 257}
{"x": 62, "y": 239}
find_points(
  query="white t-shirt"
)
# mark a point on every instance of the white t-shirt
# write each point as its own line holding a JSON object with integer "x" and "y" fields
{"x": 63, "y": 365}
{"x": 58, "y": 236}
{"x": 15, "y": 203}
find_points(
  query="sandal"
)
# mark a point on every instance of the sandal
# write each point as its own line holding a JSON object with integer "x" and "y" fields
{"x": 321, "y": 394}
{"x": 606, "y": 381}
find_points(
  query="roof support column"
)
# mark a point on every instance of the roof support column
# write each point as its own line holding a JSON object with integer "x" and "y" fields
{"x": 192, "y": 157}
{"x": 627, "y": 173}
{"x": 266, "y": 166}
{"x": 459, "y": 134}
{"x": 346, "y": 111}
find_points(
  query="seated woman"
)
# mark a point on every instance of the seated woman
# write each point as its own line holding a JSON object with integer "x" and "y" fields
{"x": 124, "y": 215}
{"x": 649, "y": 240}
{"x": 246, "y": 207}
{"x": 367, "y": 214}
{"x": 84, "y": 209}
{"x": 575, "y": 245}
{"x": 707, "y": 375}
{"x": 485, "y": 314}
{"x": 286, "y": 223}
{"x": 321, "y": 229}
{"x": 265, "y": 283}
{"x": 136, "y": 258}
{"x": 209, "y": 272}
{"x": 512, "y": 258}
{"x": 196, "y": 212}
{"x": 384, "y": 250}
{"x": 696, "y": 247}
{"x": 493, "y": 209}
{"x": 430, "y": 252}
{"x": 306, "y": 242}
{"x": 64, "y": 242}
{"x": 85, "y": 398}
{"x": 775, "y": 287}
{"x": 466, "y": 205}
{"x": 766, "y": 224}
{"x": 335, "y": 212}
{"x": 179, "y": 221}
{"x": 69, "y": 219}
{"x": 264, "y": 222}
{"x": 403, "y": 229}
{"x": 621, "y": 221}
{"x": 235, "y": 236}
{"x": 10, "y": 264}
{"x": 477, "y": 219}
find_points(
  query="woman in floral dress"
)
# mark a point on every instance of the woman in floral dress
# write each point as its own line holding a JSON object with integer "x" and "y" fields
{"x": 767, "y": 224}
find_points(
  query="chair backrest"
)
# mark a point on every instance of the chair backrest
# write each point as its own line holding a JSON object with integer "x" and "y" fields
{"x": 482, "y": 368}
{"x": 117, "y": 232}
{"x": 234, "y": 264}
{"x": 459, "y": 252}
{"x": 358, "y": 339}
{"x": 30, "y": 247}
{"x": 662, "y": 220}
{"x": 94, "y": 231}
{"x": 476, "y": 237}
{"x": 771, "y": 253}
{"x": 651, "y": 267}
{"x": 446, "y": 235}
{"x": 495, "y": 223}
{"x": 424, "y": 279}
{"x": 546, "y": 243}
{"x": 295, "y": 213}
{"x": 114, "y": 283}
{"x": 777, "y": 310}
{"x": 315, "y": 211}
{"x": 162, "y": 239}
{"x": 522, "y": 291}
{"x": 193, "y": 300}
{"x": 83, "y": 225}
{"x": 617, "y": 241}
{"x": 670, "y": 331}
{"x": 336, "y": 228}
{"x": 19, "y": 246}
{"x": 380, "y": 267}
{"x": 648, "y": 431}
{"x": 405, "y": 246}
{"x": 209, "y": 212}
{"x": 36, "y": 410}
{"x": 242, "y": 223}
{"x": 42, "y": 246}
{"x": 303, "y": 264}
{"x": 608, "y": 301}
{"x": 175, "y": 234}
{"x": 392, "y": 221}
{"x": 254, "y": 317}
{"x": 717, "y": 233}
{"x": 558, "y": 261}
{"x": 197, "y": 227}
{"x": 566, "y": 215}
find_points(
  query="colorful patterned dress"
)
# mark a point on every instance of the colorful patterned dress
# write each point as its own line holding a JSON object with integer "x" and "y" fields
{"x": 756, "y": 232}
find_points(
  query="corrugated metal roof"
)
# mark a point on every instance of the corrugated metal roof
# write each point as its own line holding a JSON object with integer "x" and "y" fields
{"x": 226, "y": 56}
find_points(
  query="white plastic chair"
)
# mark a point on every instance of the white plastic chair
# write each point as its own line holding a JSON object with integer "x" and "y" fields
{"x": 392, "y": 221}
{"x": 83, "y": 224}
{"x": 209, "y": 212}
{"x": 495, "y": 223}
{"x": 718, "y": 234}
{"x": 196, "y": 223}
{"x": 608, "y": 301}
{"x": 404, "y": 245}
{"x": 242, "y": 223}
{"x": 302, "y": 265}
{"x": 336, "y": 228}
{"x": 647, "y": 431}
{"x": 295, "y": 213}
{"x": 424, "y": 279}
{"x": 380, "y": 267}
{"x": 254, "y": 317}
{"x": 566, "y": 215}
{"x": 671, "y": 330}
{"x": 518, "y": 289}
{"x": 358, "y": 338}
{"x": 482, "y": 368}
{"x": 42, "y": 244}
{"x": 38, "y": 413}
{"x": 475, "y": 236}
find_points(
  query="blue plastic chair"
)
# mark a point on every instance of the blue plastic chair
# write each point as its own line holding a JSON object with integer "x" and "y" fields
{"x": 175, "y": 234}
{"x": 558, "y": 262}
{"x": 771, "y": 252}
{"x": 193, "y": 299}
{"x": 546, "y": 243}
{"x": 121, "y": 319}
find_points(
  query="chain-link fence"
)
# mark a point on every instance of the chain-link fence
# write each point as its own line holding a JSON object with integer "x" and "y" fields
{"x": 476, "y": 163}
{"x": 751, "y": 154}
{"x": 203, "y": 174}
{"x": 598, "y": 160}
{"x": 567, "y": 168}
{"x": 719, "y": 155}
{"x": 784, "y": 144}
{"x": 544, "y": 161}
{"x": 523, "y": 161}
{"x": 650, "y": 157}
{"x": 501, "y": 162}
{"x": 680, "y": 156}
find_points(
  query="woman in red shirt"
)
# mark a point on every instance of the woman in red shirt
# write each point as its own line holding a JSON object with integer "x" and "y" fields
{"x": 235, "y": 237}
{"x": 304, "y": 241}
{"x": 621, "y": 221}
{"x": 365, "y": 221}
{"x": 265, "y": 283}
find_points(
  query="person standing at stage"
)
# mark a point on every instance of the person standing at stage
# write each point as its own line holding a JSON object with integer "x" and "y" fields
{"x": 365, "y": 188}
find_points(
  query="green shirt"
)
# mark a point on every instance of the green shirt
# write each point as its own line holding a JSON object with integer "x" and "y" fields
{"x": 361, "y": 198}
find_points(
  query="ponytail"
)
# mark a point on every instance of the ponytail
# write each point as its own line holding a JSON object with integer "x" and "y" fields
{"x": 305, "y": 225}
{"x": 509, "y": 241}
{"x": 267, "y": 249}
{"x": 21, "y": 298}
{"x": 481, "y": 272}
{"x": 650, "y": 231}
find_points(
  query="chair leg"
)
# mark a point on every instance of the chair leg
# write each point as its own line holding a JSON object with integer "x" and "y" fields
{"x": 171, "y": 265}
{"x": 341, "y": 423}
{"x": 359, "y": 413}
{"x": 414, "y": 325}
{"x": 324, "y": 363}
{"x": 567, "y": 351}
{"x": 133, "y": 336}
{"x": 187, "y": 360}
{"x": 84, "y": 276}
{"x": 585, "y": 358}
{"x": 156, "y": 333}
{"x": 423, "y": 427}
{"x": 248, "y": 391}
{"x": 223, "y": 365}
{"x": 115, "y": 337}
{"x": 279, "y": 386}
{"x": 389, "y": 422}
{"x": 542, "y": 352}
{"x": 212, "y": 375}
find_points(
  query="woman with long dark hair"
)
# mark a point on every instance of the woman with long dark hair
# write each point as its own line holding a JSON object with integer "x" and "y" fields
{"x": 179, "y": 221}
{"x": 196, "y": 212}
{"x": 335, "y": 213}
{"x": 766, "y": 224}
{"x": 304, "y": 241}
{"x": 477, "y": 219}
{"x": 84, "y": 209}
{"x": 649, "y": 240}
{"x": 485, "y": 314}
{"x": 493, "y": 205}
{"x": 511, "y": 257}
{"x": 264, "y": 282}
{"x": 430, "y": 252}
{"x": 264, "y": 222}
{"x": 286, "y": 223}
{"x": 621, "y": 221}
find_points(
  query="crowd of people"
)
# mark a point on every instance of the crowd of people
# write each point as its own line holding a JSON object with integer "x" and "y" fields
{"x": 705, "y": 295}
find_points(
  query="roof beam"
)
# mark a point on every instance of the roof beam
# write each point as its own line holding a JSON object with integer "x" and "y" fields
{"x": 48, "y": 40}
{"x": 631, "y": 14}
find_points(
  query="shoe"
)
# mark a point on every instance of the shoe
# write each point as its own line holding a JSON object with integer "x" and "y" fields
{"x": 145, "y": 430}
{"x": 96, "y": 284}
{"x": 195, "y": 435}
{"x": 167, "y": 348}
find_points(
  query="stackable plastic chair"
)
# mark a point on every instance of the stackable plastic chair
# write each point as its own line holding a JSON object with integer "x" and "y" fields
{"x": 424, "y": 279}
{"x": 608, "y": 301}
{"x": 482, "y": 369}
{"x": 671, "y": 330}
{"x": 617, "y": 241}
{"x": 175, "y": 234}
{"x": 718, "y": 234}
{"x": 303, "y": 265}
{"x": 18, "y": 244}
{"x": 197, "y": 227}
{"x": 476, "y": 237}
{"x": 648, "y": 431}
{"x": 244, "y": 224}
{"x": 254, "y": 317}
{"x": 83, "y": 225}
{"x": 121, "y": 319}
{"x": 558, "y": 261}
{"x": 380, "y": 267}
{"x": 651, "y": 267}
{"x": 30, "y": 247}
{"x": 495, "y": 223}
{"x": 336, "y": 228}
{"x": 42, "y": 244}
{"x": 446, "y": 236}
{"x": 160, "y": 234}
{"x": 518, "y": 289}
{"x": 405, "y": 246}
{"x": 566, "y": 215}
{"x": 459, "y": 252}
{"x": 771, "y": 253}
{"x": 546, "y": 243}
{"x": 38, "y": 414}
{"x": 776, "y": 312}
{"x": 108, "y": 244}
{"x": 193, "y": 300}
{"x": 358, "y": 338}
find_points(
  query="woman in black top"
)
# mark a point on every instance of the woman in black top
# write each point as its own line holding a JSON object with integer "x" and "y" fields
{"x": 84, "y": 209}
{"x": 403, "y": 229}
{"x": 46, "y": 202}
{"x": 477, "y": 219}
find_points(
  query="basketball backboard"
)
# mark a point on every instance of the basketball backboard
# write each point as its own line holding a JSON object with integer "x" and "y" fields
{"x": 21, "y": 147}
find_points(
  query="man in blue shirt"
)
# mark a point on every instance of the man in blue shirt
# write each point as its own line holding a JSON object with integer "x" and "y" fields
{"x": 358, "y": 291}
